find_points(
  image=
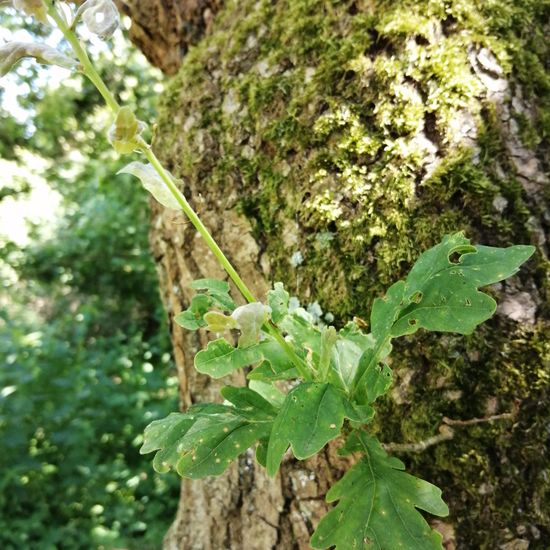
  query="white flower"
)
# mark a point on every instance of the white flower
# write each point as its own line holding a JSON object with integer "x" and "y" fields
{"x": 100, "y": 16}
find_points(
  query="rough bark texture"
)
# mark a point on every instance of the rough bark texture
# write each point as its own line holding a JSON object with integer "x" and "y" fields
{"x": 164, "y": 29}
{"x": 358, "y": 133}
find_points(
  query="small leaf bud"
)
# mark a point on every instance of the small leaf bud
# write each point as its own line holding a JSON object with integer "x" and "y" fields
{"x": 250, "y": 319}
{"x": 125, "y": 130}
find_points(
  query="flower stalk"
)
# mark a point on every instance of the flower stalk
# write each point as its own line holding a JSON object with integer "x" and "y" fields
{"x": 142, "y": 146}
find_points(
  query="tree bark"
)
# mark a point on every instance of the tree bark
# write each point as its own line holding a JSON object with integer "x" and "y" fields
{"x": 164, "y": 29}
{"x": 354, "y": 135}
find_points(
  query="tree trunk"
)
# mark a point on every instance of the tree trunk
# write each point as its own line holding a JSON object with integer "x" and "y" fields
{"x": 327, "y": 144}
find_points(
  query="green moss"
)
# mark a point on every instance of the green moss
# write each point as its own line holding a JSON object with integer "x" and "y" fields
{"x": 340, "y": 125}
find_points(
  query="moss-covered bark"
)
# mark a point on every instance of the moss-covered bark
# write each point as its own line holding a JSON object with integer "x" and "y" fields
{"x": 357, "y": 134}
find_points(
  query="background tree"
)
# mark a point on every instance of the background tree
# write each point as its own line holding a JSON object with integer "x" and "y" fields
{"x": 326, "y": 144}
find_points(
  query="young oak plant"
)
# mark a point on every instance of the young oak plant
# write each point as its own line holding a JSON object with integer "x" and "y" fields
{"x": 347, "y": 371}
{"x": 307, "y": 385}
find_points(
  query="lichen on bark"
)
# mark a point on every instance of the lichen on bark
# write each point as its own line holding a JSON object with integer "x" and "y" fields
{"x": 358, "y": 133}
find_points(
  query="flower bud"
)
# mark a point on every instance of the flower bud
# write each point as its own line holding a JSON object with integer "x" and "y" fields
{"x": 100, "y": 16}
{"x": 13, "y": 52}
{"x": 125, "y": 130}
{"x": 35, "y": 8}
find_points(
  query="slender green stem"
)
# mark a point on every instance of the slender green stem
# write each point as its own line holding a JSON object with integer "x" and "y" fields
{"x": 373, "y": 360}
{"x": 299, "y": 363}
{"x": 89, "y": 70}
{"x": 196, "y": 221}
{"x": 87, "y": 67}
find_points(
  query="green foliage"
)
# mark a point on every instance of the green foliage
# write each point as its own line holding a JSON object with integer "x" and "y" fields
{"x": 125, "y": 131}
{"x": 216, "y": 295}
{"x": 378, "y": 505}
{"x": 207, "y": 438}
{"x": 378, "y": 502}
{"x": 220, "y": 358}
{"x": 277, "y": 300}
{"x": 85, "y": 369}
{"x": 440, "y": 293}
{"x": 311, "y": 416}
{"x": 73, "y": 405}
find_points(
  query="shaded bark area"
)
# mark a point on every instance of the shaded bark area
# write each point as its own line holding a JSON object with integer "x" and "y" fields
{"x": 164, "y": 29}
{"x": 358, "y": 134}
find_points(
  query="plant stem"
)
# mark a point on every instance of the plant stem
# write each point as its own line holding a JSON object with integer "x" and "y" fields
{"x": 373, "y": 360}
{"x": 299, "y": 363}
{"x": 89, "y": 70}
{"x": 196, "y": 221}
{"x": 87, "y": 67}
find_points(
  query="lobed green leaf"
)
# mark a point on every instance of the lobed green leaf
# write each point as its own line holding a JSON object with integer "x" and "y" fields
{"x": 441, "y": 291}
{"x": 376, "y": 376}
{"x": 220, "y": 358}
{"x": 218, "y": 291}
{"x": 193, "y": 317}
{"x": 268, "y": 391}
{"x": 207, "y": 438}
{"x": 311, "y": 416}
{"x": 276, "y": 366}
{"x": 250, "y": 403}
{"x": 378, "y": 504}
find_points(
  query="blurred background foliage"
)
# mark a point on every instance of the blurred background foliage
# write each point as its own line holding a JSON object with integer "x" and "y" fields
{"x": 85, "y": 359}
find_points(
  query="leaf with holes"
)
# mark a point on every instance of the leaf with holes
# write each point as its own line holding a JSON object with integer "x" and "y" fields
{"x": 441, "y": 291}
{"x": 220, "y": 358}
{"x": 375, "y": 380}
{"x": 378, "y": 506}
{"x": 385, "y": 310}
{"x": 311, "y": 416}
{"x": 206, "y": 439}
